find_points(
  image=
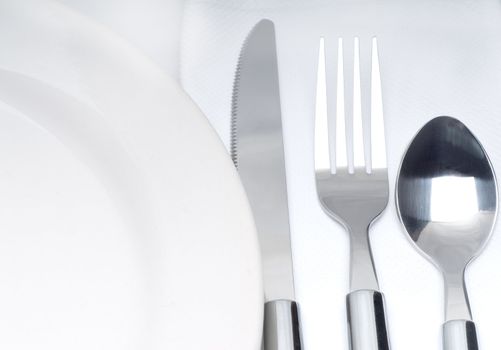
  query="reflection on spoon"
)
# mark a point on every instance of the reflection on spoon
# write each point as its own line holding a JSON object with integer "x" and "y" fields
{"x": 447, "y": 201}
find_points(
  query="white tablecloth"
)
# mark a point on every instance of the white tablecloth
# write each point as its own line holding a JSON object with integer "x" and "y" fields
{"x": 154, "y": 26}
{"x": 438, "y": 58}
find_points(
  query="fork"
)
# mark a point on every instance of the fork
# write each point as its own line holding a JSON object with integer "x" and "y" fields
{"x": 352, "y": 176}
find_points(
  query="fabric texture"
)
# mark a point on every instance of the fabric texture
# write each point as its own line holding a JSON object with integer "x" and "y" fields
{"x": 437, "y": 58}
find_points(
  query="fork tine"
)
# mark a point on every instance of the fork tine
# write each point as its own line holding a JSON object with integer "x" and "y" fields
{"x": 341, "y": 141}
{"x": 322, "y": 159}
{"x": 348, "y": 75}
{"x": 331, "y": 70}
{"x": 358, "y": 134}
{"x": 366, "y": 93}
{"x": 378, "y": 144}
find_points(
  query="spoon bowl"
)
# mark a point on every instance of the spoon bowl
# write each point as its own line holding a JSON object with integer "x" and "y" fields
{"x": 447, "y": 200}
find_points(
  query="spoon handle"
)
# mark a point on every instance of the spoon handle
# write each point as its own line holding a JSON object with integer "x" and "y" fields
{"x": 367, "y": 320}
{"x": 460, "y": 335}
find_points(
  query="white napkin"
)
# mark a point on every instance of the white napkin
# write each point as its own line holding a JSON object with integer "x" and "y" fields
{"x": 438, "y": 58}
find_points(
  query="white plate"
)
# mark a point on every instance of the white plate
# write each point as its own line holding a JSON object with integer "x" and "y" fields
{"x": 122, "y": 221}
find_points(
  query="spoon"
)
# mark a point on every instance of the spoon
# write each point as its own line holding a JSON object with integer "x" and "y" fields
{"x": 447, "y": 201}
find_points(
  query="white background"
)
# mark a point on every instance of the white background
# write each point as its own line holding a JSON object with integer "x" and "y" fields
{"x": 154, "y": 26}
{"x": 438, "y": 58}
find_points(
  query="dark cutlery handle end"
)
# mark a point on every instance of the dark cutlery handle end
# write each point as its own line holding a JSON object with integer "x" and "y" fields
{"x": 281, "y": 326}
{"x": 367, "y": 320}
{"x": 460, "y": 335}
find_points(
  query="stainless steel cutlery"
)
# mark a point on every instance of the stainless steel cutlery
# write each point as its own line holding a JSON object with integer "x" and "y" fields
{"x": 446, "y": 190}
{"x": 447, "y": 201}
{"x": 257, "y": 150}
{"x": 353, "y": 189}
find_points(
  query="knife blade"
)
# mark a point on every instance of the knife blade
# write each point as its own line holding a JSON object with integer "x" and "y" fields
{"x": 257, "y": 149}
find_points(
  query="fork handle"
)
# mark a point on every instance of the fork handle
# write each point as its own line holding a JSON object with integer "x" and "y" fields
{"x": 367, "y": 320}
{"x": 460, "y": 335}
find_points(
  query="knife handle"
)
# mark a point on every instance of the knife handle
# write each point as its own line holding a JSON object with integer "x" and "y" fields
{"x": 460, "y": 335}
{"x": 281, "y": 326}
{"x": 367, "y": 320}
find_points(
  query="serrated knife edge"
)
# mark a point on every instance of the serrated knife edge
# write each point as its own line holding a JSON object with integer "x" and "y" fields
{"x": 257, "y": 150}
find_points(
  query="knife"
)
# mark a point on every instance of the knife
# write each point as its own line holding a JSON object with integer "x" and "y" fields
{"x": 257, "y": 149}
